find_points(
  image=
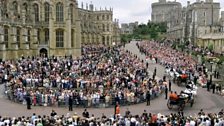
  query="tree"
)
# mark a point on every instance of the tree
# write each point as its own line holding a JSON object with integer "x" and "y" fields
{"x": 126, "y": 38}
{"x": 147, "y": 31}
{"x": 210, "y": 47}
{"x": 154, "y": 34}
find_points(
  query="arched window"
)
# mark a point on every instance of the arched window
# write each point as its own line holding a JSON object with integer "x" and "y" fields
{"x": 4, "y": 9}
{"x": 103, "y": 27}
{"x": 46, "y": 37}
{"x": 103, "y": 39}
{"x": 6, "y": 36}
{"x": 108, "y": 27}
{"x": 108, "y": 40}
{"x": 36, "y": 12}
{"x": 59, "y": 12}
{"x": 71, "y": 11}
{"x": 97, "y": 18}
{"x": 28, "y": 36}
{"x": 59, "y": 38}
{"x": 38, "y": 35}
{"x": 72, "y": 37}
{"x": 15, "y": 6}
{"x": 46, "y": 12}
{"x": 108, "y": 17}
{"x": 103, "y": 17}
{"x": 18, "y": 32}
{"x": 25, "y": 8}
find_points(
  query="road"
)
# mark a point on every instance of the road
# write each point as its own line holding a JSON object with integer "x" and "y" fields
{"x": 205, "y": 100}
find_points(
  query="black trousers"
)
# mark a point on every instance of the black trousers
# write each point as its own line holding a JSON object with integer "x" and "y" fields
{"x": 148, "y": 102}
{"x": 28, "y": 106}
{"x": 70, "y": 108}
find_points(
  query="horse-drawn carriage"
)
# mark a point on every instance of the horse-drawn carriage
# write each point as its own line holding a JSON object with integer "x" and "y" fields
{"x": 183, "y": 99}
{"x": 182, "y": 79}
{"x": 178, "y": 77}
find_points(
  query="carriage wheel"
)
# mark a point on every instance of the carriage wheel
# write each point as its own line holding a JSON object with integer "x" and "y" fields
{"x": 170, "y": 106}
{"x": 181, "y": 107}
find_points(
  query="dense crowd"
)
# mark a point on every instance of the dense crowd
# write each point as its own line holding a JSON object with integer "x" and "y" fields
{"x": 181, "y": 62}
{"x": 128, "y": 119}
{"x": 101, "y": 76}
{"x": 167, "y": 56}
{"x": 174, "y": 59}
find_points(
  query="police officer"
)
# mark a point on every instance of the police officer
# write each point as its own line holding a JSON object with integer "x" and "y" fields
{"x": 70, "y": 103}
{"x": 166, "y": 92}
{"x": 170, "y": 85}
{"x": 208, "y": 85}
{"x": 28, "y": 101}
{"x": 148, "y": 97}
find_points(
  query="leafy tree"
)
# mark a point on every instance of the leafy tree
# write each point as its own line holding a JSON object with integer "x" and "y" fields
{"x": 154, "y": 34}
{"x": 210, "y": 47}
{"x": 126, "y": 38}
{"x": 146, "y": 31}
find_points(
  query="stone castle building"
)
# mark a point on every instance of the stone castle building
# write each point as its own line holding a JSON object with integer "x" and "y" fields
{"x": 161, "y": 10}
{"x": 199, "y": 22}
{"x": 52, "y": 27}
{"x": 196, "y": 19}
{"x": 214, "y": 39}
{"x": 128, "y": 28}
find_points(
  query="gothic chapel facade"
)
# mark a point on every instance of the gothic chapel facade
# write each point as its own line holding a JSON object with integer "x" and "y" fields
{"x": 51, "y": 27}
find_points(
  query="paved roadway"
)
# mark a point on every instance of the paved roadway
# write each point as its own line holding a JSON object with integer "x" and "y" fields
{"x": 206, "y": 100}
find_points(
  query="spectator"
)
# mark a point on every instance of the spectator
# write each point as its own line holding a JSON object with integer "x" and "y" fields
{"x": 85, "y": 114}
{"x": 148, "y": 97}
{"x": 70, "y": 102}
{"x": 53, "y": 113}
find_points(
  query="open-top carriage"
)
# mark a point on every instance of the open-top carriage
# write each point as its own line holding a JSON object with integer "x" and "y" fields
{"x": 183, "y": 99}
{"x": 182, "y": 79}
{"x": 179, "y": 77}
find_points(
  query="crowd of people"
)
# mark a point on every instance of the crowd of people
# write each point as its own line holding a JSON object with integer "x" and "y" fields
{"x": 102, "y": 76}
{"x": 127, "y": 119}
{"x": 179, "y": 61}
{"x": 167, "y": 56}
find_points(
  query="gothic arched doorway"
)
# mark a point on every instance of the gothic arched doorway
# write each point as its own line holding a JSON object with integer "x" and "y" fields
{"x": 43, "y": 52}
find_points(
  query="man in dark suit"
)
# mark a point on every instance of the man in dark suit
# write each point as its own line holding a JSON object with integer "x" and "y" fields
{"x": 208, "y": 85}
{"x": 70, "y": 103}
{"x": 166, "y": 92}
{"x": 28, "y": 101}
{"x": 170, "y": 85}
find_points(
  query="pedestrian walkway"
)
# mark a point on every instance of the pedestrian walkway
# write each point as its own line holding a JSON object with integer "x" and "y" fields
{"x": 134, "y": 50}
{"x": 160, "y": 69}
